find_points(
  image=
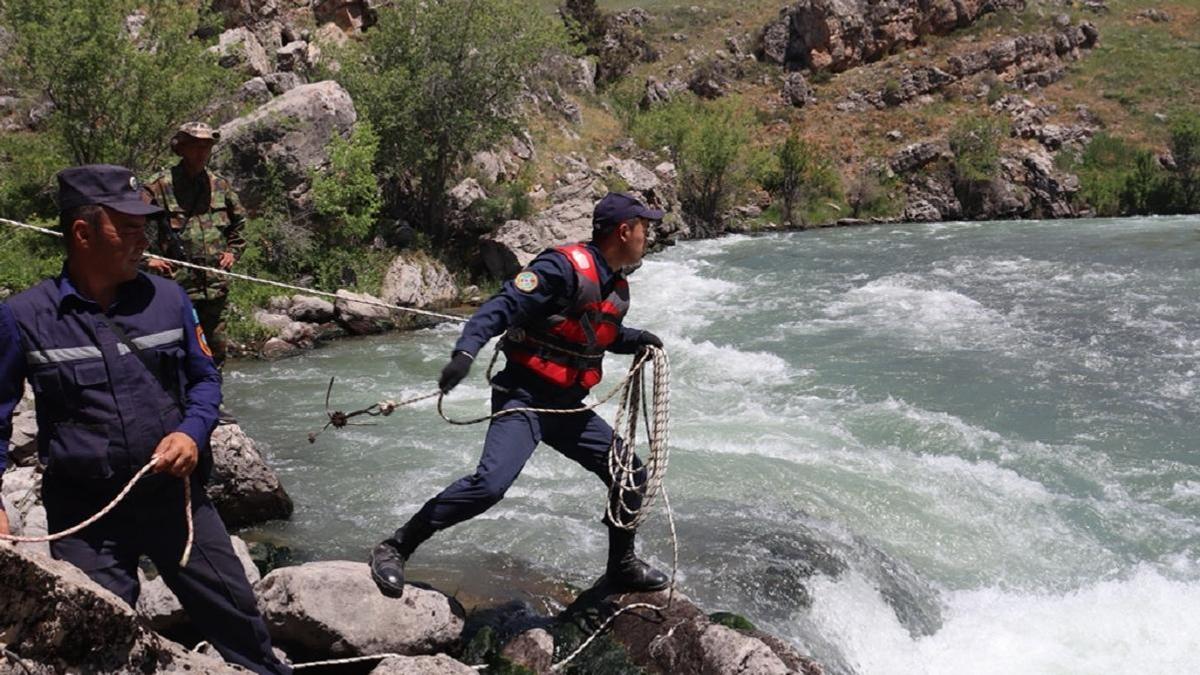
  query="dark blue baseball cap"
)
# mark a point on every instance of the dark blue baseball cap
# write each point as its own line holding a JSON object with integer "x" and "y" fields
{"x": 617, "y": 208}
{"x": 102, "y": 185}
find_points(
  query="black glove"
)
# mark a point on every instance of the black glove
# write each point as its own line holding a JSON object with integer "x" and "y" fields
{"x": 455, "y": 371}
{"x": 649, "y": 339}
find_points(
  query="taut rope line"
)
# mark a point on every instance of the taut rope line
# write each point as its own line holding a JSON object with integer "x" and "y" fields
{"x": 265, "y": 282}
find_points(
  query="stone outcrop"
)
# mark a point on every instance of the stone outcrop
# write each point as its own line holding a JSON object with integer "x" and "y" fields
{"x": 425, "y": 665}
{"x": 417, "y": 281}
{"x": 359, "y": 317}
{"x": 682, "y": 638}
{"x": 796, "y": 90}
{"x": 335, "y": 608}
{"x": 243, "y": 488}
{"x": 22, "y": 495}
{"x": 308, "y": 309}
{"x": 278, "y": 145}
{"x": 56, "y": 620}
{"x": 240, "y": 49}
{"x": 839, "y": 34}
{"x": 1025, "y": 62}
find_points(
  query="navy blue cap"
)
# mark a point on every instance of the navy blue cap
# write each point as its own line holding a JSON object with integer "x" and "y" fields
{"x": 617, "y": 208}
{"x": 102, "y": 185}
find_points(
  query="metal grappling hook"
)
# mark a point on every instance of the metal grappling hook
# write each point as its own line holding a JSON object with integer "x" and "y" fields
{"x": 339, "y": 419}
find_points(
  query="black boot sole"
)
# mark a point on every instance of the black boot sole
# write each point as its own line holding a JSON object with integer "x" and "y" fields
{"x": 634, "y": 588}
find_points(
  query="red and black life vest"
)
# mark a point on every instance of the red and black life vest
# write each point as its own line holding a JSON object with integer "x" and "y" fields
{"x": 567, "y": 349}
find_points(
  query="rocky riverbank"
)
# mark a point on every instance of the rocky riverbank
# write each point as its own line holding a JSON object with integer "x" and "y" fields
{"x": 54, "y": 619}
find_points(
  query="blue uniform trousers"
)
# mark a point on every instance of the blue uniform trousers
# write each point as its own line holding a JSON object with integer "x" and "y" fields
{"x": 511, "y": 439}
{"x": 213, "y": 588}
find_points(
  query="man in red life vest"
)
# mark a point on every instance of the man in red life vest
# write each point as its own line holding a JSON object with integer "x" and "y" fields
{"x": 561, "y": 314}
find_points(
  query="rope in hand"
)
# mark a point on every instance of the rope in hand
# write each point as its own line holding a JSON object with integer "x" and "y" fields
{"x": 266, "y": 282}
{"x": 187, "y": 509}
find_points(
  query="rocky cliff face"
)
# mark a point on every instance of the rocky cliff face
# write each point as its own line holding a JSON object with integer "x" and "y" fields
{"x": 839, "y": 34}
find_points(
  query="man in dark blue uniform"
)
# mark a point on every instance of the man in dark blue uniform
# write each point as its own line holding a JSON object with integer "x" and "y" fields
{"x": 561, "y": 314}
{"x": 122, "y": 374}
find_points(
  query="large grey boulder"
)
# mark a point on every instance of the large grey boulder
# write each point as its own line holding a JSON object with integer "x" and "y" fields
{"x": 417, "y": 281}
{"x": 244, "y": 488}
{"x": 160, "y": 606}
{"x": 310, "y": 309}
{"x": 422, "y": 665}
{"x": 239, "y": 48}
{"x": 361, "y": 314}
{"x": 334, "y": 608}
{"x": 516, "y": 243}
{"x": 278, "y": 145}
{"x": 57, "y": 620}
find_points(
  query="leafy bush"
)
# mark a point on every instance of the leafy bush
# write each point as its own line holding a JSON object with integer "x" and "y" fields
{"x": 347, "y": 196}
{"x": 28, "y": 257}
{"x": 439, "y": 81}
{"x": 1185, "y": 148}
{"x": 975, "y": 142}
{"x": 118, "y": 94}
{"x": 797, "y": 174}
{"x": 1117, "y": 178}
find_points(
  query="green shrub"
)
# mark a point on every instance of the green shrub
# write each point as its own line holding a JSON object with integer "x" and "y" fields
{"x": 346, "y": 196}
{"x": 117, "y": 97}
{"x": 1185, "y": 148}
{"x": 440, "y": 81}
{"x": 799, "y": 176}
{"x": 27, "y": 257}
{"x": 975, "y": 142}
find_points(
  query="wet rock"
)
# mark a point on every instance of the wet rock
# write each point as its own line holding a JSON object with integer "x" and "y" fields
{"x": 334, "y": 608}
{"x": 359, "y": 317}
{"x": 681, "y": 638}
{"x": 425, "y": 665}
{"x": 243, "y": 487}
{"x": 239, "y": 48}
{"x": 58, "y": 620}
{"x": 310, "y": 309}
{"x": 287, "y": 138}
{"x": 414, "y": 281}
{"x": 533, "y": 649}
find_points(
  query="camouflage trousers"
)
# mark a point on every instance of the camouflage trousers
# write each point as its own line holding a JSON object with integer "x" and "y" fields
{"x": 211, "y": 312}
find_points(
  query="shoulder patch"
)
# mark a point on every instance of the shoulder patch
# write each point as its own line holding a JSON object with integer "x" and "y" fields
{"x": 526, "y": 282}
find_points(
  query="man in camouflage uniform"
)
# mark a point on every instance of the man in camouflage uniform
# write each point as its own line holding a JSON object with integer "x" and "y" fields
{"x": 202, "y": 225}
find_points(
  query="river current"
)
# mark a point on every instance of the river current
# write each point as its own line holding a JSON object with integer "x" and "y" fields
{"x": 932, "y": 449}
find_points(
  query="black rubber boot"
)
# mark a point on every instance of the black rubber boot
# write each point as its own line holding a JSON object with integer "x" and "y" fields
{"x": 389, "y": 556}
{"x": 625, "y": 570}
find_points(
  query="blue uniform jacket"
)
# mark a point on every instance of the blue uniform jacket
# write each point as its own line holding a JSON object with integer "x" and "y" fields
{"x": 202, "y": 385}
{"x": 554, "y": 292}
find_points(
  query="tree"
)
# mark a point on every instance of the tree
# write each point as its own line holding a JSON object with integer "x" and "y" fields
{"x": 710, "y": 161}
{"x": 1185, "y": 148}
{"x": 118, "y": 89}
{"x": 798, "y": 175}
{"x": 440, "y": 80}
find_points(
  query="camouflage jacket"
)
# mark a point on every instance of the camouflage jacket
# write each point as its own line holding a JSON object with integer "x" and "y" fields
{"x": 203, "y": 220}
